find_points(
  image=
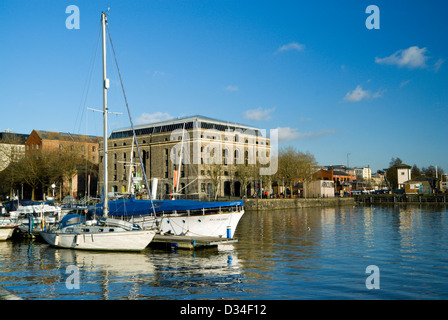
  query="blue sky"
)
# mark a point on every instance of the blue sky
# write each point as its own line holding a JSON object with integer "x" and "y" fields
{"x": 310, "y": 68}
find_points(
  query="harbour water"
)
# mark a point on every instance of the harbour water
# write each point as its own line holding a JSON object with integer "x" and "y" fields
{"x": 313, "y": 253}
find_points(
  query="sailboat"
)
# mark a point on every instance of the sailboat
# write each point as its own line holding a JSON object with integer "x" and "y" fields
{"x": 74, "y": 232}
{"x": 7, "y": 227}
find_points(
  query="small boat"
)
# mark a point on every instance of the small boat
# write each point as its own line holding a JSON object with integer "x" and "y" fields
{"x": 7, "y": 227}
{"x": 74, "y": 232}
{"x": 33, "y": 217}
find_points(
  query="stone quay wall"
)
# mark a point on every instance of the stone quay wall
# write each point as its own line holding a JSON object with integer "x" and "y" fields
{"x": 296, "y": 203}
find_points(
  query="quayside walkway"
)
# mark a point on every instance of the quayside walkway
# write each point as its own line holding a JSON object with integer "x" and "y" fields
{"x": 401, "y": 198}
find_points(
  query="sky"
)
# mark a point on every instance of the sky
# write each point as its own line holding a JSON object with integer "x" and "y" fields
{"x": 315, "y": 70}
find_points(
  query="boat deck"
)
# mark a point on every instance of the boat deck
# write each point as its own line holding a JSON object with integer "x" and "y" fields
{"x": 189, "y": 242}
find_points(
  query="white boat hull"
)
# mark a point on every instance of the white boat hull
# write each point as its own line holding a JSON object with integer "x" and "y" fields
{"x": 110, "y": 241}
{"x": 6, "y": 232}
{"x": 220, "y": 225}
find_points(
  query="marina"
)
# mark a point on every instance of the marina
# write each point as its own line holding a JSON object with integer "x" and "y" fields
{"x": 310, "y": 253}
{"x": 253, "y": 164}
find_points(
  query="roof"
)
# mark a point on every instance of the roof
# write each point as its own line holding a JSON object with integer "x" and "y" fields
{"x": 401, "y": 166}
{"x": 340, "y": 173}
{"x": 191, "y": 122}
{"x": 66, "y": 136}
{"x": 422, "y": 179}
{"x": 14, "y": 138}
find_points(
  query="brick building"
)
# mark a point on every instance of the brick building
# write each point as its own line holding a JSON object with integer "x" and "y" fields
{"x": 87, "y": 147}
{"x": 342, "y": 179}
{"x": 205, "y": 141}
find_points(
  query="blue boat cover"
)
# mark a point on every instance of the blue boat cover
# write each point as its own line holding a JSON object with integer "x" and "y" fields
{"x": 70, "y": 219}
{"x": 130, "y": 207}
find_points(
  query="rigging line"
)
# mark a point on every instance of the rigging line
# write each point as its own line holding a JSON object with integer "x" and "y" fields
{"x": 86, "y": 89}
{"x": 130, "y": 119}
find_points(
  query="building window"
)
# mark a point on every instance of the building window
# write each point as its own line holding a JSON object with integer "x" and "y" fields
{"x": 94, "y": 148}
{"x": 60, "y": 147}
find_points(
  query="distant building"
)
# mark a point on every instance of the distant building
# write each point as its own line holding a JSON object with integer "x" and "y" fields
{"x": 342, "y": 179}
{"x": 84, "y": 145}
{"x": 421, "y": 185}
{"x": 444, "y": 186}
{"x": 12, "y": 148}
{"x": 320, "y": 189}
{"x": 403, "y": 174}
{"x": 363, "y": 173}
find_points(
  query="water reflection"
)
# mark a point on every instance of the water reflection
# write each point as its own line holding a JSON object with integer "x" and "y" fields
{"x": 36, "y": 271}
{"x": 323, "y": 252}
{"x": 314, "y": 253}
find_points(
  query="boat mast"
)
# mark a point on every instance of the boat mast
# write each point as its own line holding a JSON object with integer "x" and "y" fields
{"x": 105, "y": 87}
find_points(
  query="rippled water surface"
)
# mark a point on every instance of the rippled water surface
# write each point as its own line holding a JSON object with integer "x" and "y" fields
{"x": 315, "y": 253}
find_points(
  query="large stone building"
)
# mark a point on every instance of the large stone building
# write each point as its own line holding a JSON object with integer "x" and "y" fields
{"x": 214, "y": 154}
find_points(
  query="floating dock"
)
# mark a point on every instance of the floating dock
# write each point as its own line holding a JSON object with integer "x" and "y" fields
{"x": 189, "y": 242}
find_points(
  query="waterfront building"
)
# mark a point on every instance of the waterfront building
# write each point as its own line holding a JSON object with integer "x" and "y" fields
{"x": 363, "y": 173}
{"x": 342, "y": 179}
{"x": 86, "y": 146}
{"x": 83, "y": 146}
{"x": 215, "y": 159}
{"x": 403, "y": 174}
{"x": 320, "y": 189}
{"x": 12, "y": 148}
{"x": 397, "y": 175}
{"x": 421, "y": 185}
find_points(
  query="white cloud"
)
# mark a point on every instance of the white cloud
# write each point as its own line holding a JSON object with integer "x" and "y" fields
{"x": 286, "y": 134}
{"x": 291, "y": 46}
{"x": 404, "y": 83}
{"x": 379, "y": 93}
{"x": 412, "y": 57}
{"x": 360, "y": 94}
{"x": 357, "y": 95}
{"x": 153, "y": 117}
{"x": 232, "y": 88}
{"x": 438, "y": 64}
{"x": 258, "y": 114}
